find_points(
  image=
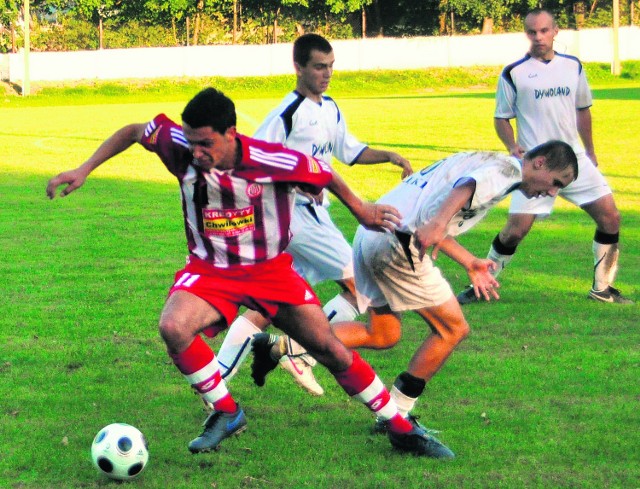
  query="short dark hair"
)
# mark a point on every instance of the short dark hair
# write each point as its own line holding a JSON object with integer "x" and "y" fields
{"x": 537, "y": 11}
{"x": 210, "y": 108}
{"x": 306, "y": 43}
{"x": 559, "y": 155}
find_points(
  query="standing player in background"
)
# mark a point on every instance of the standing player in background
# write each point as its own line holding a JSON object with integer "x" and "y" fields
{"x": 310, "y": 122}
{"x": 548, "y": 95}
{"x": 237, "y": 198}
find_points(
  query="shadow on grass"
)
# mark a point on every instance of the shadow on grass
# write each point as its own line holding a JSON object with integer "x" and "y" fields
{"x": 130, "y": 218}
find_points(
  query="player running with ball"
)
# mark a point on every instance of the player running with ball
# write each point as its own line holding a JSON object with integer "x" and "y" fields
{"x": 237, "y": 198}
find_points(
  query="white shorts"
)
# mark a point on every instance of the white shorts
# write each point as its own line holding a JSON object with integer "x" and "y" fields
{"x": 384, "y": 274}
{"x": 589, "y": 187}
{"x": 319, "y": 249}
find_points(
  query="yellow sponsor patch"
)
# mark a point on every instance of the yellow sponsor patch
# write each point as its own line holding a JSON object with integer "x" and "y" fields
{"x": 228, "y": 222}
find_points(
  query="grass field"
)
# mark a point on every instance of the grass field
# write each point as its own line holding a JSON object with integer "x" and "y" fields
{"x": 544, "y": 393}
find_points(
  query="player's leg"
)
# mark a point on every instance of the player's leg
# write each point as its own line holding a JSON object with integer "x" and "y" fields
{"x": 591, "y": 192}
{"x": 237, "y": 342}
{"x": 503, "y": 248}
{"x": 183, "y": 318}
{"x": 309, "y": 326}
{"x": 383, "y": 330}
{"x": 448, "y": 328}
{"x": 295, "y": 359}
{"x": 320, "y": 253}
{"x": 605, "y": 250}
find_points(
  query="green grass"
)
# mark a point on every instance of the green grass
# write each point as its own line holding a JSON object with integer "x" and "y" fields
{"x": 544, "y": 393}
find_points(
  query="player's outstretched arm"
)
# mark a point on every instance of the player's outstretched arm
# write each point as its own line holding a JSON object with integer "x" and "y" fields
{"x": 117, "y": 143}
{"x": 372, "y": 156}
{"x": 376, "y": 217}
{"x": 479, "y": 270}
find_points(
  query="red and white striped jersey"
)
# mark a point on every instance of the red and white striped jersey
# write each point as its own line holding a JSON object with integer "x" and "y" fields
{"x": 239, "y": 216}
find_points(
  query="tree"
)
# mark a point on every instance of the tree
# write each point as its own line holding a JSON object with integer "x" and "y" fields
{"x": 485, "y": 13}
{"x": 96, "y": 11}
{"x": 270, "y": 12}
{"x": 343, "y": 7}
{"x": 9, "y": 12}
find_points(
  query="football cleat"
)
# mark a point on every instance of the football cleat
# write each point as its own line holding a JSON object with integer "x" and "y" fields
{"x": 610, "y": 294}
{"x": 419, "y": 442}
{"x": 302, "y": 373}
{"x": 217, "y": 427}
{"x": 381, "y": 426}
{"x": 467, "y": 296}
{"x": 263, "y": 362}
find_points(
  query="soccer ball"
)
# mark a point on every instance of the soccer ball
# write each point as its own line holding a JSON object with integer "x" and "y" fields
{"x": 119, "y": 451}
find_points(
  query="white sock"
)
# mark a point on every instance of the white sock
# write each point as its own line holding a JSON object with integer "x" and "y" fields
{"x": 605, "y": 260}
{"x": 501, "y": 260}
{"x": 236, "y": 346}
{"x": 405, "y": 403}
{"x": 339, "y": 309}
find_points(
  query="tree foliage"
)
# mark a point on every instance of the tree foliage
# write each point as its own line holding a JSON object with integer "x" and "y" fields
{"x": 72, "y": 25}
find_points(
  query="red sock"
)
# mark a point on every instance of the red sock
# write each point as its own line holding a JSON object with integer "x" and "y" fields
{"x": 199, "y": 366}
{"x": 361, "y": 382}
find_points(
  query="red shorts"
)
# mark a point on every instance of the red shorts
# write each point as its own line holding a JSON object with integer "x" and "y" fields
{"x": 261, "y": 287}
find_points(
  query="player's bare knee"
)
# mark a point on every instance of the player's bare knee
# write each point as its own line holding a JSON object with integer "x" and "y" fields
{"x": 172, "y": 332}
{"x": 458, "y": 333}
{"x": 611, "y": 222}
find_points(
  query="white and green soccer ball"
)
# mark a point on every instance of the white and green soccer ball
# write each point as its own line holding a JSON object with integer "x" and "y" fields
{"x": 120, "y": 451}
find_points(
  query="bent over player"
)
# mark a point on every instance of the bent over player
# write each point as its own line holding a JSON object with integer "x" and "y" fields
{"x": 548, "y": 95}
{"x": 311, "y": 122}
{"x": 237, "y": 197}
{"x": 395, "y": 274}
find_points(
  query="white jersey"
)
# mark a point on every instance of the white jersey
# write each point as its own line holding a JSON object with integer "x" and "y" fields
{"x": 316, "y": 129}
{"x": 419, "y": 196}
{"x": 544, "y": 97}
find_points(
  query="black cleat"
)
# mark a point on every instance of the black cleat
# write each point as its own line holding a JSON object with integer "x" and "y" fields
{"x": 217, "y": 427}
{"x": 467, "y": 296}
{"x": 610, "y": 294}
{"x": 263, "y": 362}
{"x": 382, "y": 426}
{"x": 419, "y": 442}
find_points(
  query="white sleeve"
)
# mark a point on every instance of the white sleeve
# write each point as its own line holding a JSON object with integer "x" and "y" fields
{"x": 492, "y": 182}
{"x": 347, "y": 148}
{"x": 583, "y": 96}
{"x": 272, "y": 129}
{"x": 505, "y": 99}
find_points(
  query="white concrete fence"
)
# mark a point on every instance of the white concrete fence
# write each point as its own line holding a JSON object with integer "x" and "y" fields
{"x": 275, "y": 59}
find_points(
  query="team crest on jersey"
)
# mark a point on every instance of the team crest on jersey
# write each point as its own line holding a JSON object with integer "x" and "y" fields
{"x": 314, "y": 166}
{"x": 153, "y": 138}
{"x": 254, "y": 190}
{"x": 225, "y": 223}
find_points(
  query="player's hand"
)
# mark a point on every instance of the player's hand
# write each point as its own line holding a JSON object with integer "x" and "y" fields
{"x": 72, "y": 179}
{"x": 313, "y": 198}
{"x": 484, "y": 283}
{"x": 517, "y": 151}
{"x": 429, "y": 234}
{"x": 379, "y": 217}
{"x": 592, "y": 157}
{"x": 403, "y": 163}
